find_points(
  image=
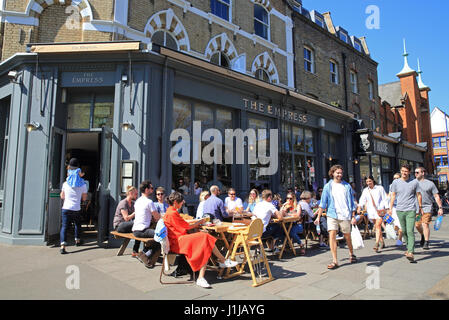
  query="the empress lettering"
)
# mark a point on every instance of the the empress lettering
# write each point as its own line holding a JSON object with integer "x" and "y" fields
{"x": 257, "y": 144}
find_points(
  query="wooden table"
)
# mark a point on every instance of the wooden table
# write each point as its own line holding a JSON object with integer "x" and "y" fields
{"x": 287, "y": 224}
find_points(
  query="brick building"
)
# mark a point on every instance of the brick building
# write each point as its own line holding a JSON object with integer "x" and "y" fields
{"x": 250, "y": 64}
{"x": 405, "y": 115}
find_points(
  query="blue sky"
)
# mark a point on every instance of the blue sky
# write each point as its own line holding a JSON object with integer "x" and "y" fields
{"x": 422, "y": 23}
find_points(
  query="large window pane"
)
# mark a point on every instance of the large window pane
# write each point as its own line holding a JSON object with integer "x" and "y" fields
{"x": 220, "y": 8}
{"x": 78, "y": 115}
{"x": 298, "y": 139}
{"x": 257, "y": 124}
{"x": 103, "y": 114}
{"x": 286, "y": 171}
{"x": 182, "y": 116}
{"x": 260, "y": 21}
{"x": 375, "y": 164}
{"x": 286, "y": 138}
{"x": 311, "y": 174}
{"x": 364, "y": 169}
{"x": 300, "y": 172}
{"x": 309, "y": 141}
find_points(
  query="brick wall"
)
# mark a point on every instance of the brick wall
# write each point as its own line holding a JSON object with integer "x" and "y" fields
{"x": 55, "y": 26}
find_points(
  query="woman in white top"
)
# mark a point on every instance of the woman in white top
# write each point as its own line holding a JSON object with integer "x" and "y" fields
{"x": 203, "y": 197}
{"x": 374, "y": 198}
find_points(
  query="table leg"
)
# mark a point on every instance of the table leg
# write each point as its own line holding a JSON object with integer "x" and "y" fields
{"x": 123, "y": 247}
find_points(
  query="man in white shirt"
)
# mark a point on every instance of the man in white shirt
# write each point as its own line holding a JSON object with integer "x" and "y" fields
{"x": 232, "y": 202}
{"x": 145, "y": 210}
{"x": 265, "y": 210}
{"x": 73, "y": 191}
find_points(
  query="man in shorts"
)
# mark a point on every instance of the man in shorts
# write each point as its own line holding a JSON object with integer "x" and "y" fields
{"x": 406, "y": 192}
{"x": 338, "y": 199}
{"x": 428, "y": 192}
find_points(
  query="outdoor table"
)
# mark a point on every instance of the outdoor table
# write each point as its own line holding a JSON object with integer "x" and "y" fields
{"x": 287, "y": 224}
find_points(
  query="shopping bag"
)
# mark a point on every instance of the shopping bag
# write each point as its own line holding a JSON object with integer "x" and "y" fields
{"x": 389, "y": 231}
{"x": 356, "y": 238}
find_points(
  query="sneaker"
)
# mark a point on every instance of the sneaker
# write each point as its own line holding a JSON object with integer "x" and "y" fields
{"x": 422, "y": 240}
{"x": 78, "y": 243}
{"x": 228, "y": 264}
{"x": 339, "y": 238}
{"x": 62, "y": 251}
{"x": 399, "y": 243}
{"x": 134, "y": 254}
{"x": 426, "y": 245}
{"x": 323, "y": 245}
{"x": 202, "y": 283}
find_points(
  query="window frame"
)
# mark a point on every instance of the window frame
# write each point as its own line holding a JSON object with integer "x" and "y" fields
{"x": 229, "y": 5}
{"x": 165, "y": 32}
{"x": 353, "y": 78}
{"x": 311, "y": 61}
{"x": 371, "y": 90}
{"x": 220, "y": 57}
{"x": 346, "y": 39}
{"x": 260, "y": 70}
{"x": 267, "y": 25}
{"x": 334, "y": 73}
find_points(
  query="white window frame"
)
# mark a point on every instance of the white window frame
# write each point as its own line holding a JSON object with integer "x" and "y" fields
{"x": 354, "y": 82}
{"x": 267, "y": 25}
{"x": 335, "y": 72}
{"x": 311, "y": 61}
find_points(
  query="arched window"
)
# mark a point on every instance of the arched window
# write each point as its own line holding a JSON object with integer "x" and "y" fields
{"x": 164, "y": 39}
{"x": 261, "y": 22}
{"x": 261, "y": 74}
{"x": 220, "y": 59}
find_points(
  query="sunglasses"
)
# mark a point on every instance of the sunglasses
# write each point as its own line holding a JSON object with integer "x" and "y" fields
{"x": 232, "y": 194}
{"x": 159, "y": 194}
{"x": 289, "y": 198}
{"x": 417, "y": 172}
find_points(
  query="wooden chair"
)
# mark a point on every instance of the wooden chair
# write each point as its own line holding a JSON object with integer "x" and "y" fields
{"x": 244, "y": 240}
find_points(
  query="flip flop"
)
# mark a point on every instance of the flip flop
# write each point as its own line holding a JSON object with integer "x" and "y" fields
{"x": 352, "y": 259}
{"x": 332, "y": 266}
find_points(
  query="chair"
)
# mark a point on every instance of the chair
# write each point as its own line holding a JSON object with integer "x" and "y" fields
{"x": 244, "y": 240}
{"x": 168, "y": 260}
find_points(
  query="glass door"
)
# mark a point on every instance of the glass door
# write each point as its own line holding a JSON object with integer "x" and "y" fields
{"x": 103, "y": 190}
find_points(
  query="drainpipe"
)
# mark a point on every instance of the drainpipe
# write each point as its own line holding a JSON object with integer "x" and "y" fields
{"x": 163, "y": 138}
{"x": 345, "y": 84}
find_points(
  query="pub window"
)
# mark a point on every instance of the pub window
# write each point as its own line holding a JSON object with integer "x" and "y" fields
{"x": 89, "y": 111}
{"x": 184, "y": 113}
{"x": 220, "y": 59}
{"x": 297, "y": 158}
{"x": 261, "y": 22}
{"x": 220, "y": 8}
{"x": 164, "y": 39}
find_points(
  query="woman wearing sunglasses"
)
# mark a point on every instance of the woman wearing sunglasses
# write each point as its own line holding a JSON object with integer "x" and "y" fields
{"x": 291, "y": 208}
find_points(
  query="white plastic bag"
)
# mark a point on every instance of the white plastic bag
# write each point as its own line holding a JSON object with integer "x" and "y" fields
{"x": 356, "y": 238}
{"x": 389, "y": 231}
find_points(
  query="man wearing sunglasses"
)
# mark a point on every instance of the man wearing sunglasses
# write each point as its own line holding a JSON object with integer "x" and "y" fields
{"x": 428, "y": 192}
{"x": 233, "y": 204}
{"x": 161, "y": 205}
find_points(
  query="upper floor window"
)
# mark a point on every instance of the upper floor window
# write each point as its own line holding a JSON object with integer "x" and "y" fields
{"x": 309, "y": 60}
{"x": 262, "y": 75}
{"x": 354, "y": 85}
{"x": 164, "y": 39}
{"x": 370, "y": 90}
{"x": 343, "y": 37}
{"x": 357, "y": 46}
{"x": 220, "y": 8}
{"x": 220, "y": 59}
{"x": 261, "y": 23}
{"x": 333, "y": 72}
{"x": 439, "y": 142}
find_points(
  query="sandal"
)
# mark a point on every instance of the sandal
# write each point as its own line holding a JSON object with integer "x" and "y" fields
{"x": 352, "y": 259}
{"x": 376, "y": 247}
{"x": 332, "y": 266}
{"x": 410, "y": 257}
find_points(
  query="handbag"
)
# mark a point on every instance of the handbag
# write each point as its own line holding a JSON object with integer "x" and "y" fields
{"x": 356, "y": 238}
{"x": 381, "y": 212}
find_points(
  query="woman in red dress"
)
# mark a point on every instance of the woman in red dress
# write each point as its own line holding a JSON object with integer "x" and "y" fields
{"x": 197, "y": 247}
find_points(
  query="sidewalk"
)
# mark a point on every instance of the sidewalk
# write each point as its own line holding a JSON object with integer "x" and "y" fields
{"x": 42, "y": 273}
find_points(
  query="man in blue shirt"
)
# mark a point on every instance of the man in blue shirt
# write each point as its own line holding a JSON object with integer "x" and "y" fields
{"x": 338, "y": 199}
{"x": 214, "y": 206}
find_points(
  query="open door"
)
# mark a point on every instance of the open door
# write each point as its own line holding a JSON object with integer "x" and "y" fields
{"x": 104, "y": 184}
{"x": 56, "y": 178}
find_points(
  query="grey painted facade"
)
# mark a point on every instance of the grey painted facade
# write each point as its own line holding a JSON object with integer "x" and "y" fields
{"x": 30, "y": 209}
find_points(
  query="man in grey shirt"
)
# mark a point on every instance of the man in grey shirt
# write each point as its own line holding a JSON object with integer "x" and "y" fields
{"x": 405, "y": 192}
{"x": 428, "y": 192}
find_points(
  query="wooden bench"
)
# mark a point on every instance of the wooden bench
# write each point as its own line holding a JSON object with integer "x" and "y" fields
{"x": 127, "y": 237}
